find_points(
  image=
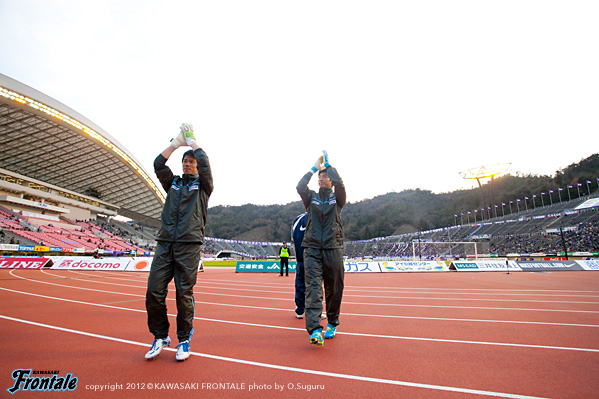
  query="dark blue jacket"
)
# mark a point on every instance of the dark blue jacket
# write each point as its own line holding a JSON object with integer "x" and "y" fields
{"x": 297, "y": 231}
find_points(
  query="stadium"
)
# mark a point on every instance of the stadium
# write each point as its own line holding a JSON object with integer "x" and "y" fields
{"x": 462, "y": 325}
{"x": 64, "y": 182}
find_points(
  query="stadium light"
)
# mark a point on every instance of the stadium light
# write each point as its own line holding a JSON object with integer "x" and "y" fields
{"x": 87, "y": 130}
{"x": 484, "y": 172}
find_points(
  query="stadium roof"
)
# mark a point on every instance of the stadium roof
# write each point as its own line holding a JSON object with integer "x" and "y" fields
{"x": 48, "y": 141}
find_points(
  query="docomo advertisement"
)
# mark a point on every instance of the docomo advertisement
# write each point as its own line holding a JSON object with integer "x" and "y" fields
{"x": 143, "y": 264}
{"x": 22, "y": 263}
{"x": 413, "y": 266}
{"x": 87, "y": 263}
{"x": 139, "y": 264}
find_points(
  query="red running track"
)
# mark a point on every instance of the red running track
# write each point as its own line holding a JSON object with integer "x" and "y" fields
{"x": 402, "y": 335}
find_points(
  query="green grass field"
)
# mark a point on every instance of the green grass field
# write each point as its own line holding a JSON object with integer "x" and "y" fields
{"x": 220, "y": 263}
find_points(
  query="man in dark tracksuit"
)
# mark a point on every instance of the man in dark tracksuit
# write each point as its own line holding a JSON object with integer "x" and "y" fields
{"x": 297, "y": 234}
{"x": 323, "y": 247}
{"x": 179, "y": 242}
{"x": 284, "y": 255}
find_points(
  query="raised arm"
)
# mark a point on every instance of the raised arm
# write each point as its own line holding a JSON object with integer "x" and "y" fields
{"x": 302, "y": 186}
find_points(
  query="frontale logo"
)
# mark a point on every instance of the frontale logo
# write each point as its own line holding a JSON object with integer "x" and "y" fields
{"x": 23, "y": 382}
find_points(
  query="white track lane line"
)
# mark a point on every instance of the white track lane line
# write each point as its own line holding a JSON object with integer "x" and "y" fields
{"x": 204, "y": 285}
{"x": 285, "y": 368}
{"x": 434, "y": 289}
{"x": 345, "y": 302}
{"x": 454, "y": 341}
{"x": 345, "y": 314}
{"x": 398, "y": 290}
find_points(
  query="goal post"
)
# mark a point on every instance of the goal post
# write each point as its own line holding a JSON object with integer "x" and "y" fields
{"x": 439, "y": 249}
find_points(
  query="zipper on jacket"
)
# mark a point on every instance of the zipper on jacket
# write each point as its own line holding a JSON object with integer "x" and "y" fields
{"x": 177, "y": 219}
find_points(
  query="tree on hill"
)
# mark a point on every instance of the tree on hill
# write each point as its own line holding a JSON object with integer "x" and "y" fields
{"x": 404, "y": 212}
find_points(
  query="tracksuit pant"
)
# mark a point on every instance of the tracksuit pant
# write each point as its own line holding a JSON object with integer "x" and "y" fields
{"x": 285, "y": 262}
{"x": 323, "y": 265}
{"x": 300, "y": 288}
{"x": 178, "y": 261}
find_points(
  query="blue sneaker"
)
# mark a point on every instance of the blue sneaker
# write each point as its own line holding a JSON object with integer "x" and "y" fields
{"x": 183, "y": 351}
{"x": 330, "y": 332}
{"x": 316, "y": 338}
{"x": 157, "y": 347}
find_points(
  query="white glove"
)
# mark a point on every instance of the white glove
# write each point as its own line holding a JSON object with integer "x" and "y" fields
{"x": 187, "y": 132}
{"x": 178, "y": 141}
{"x": 318, "y": 165}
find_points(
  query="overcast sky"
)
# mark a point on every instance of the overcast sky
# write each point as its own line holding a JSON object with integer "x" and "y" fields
{"x": 402, "y": 94}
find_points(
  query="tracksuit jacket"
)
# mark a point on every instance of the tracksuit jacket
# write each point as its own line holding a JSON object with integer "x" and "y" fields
{"x": 186, "y": 207}
{"x": 323, "y": 248}
{"x": 324, "y": 228}
{"x": 179, "y": 245}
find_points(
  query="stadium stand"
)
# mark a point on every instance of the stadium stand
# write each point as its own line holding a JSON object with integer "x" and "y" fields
{"x": 536, "y": 230}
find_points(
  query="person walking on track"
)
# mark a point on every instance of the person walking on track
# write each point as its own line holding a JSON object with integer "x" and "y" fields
{"x": 179, "y": 242}
{"x": 323, "y": 247}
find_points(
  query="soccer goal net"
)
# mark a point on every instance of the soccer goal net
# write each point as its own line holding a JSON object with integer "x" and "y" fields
{"x": 431, "y": 250}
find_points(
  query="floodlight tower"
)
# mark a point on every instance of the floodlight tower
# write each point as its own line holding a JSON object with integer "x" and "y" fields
{"x": 484, "y": 172}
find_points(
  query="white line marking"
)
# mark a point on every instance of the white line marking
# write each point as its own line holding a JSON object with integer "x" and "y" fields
{"x": 286, "y": 299}
{"x": 285, "y": 368}
{"x": 287, "y": 292}
{"x": 204, "y": 282}
{"x": 339, "y": 332}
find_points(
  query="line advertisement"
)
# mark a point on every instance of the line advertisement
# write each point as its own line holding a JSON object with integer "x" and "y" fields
{"x": 22, "y": 263}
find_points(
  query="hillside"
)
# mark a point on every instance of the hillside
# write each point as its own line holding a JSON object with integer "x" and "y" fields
{"x": 406, "y": 211}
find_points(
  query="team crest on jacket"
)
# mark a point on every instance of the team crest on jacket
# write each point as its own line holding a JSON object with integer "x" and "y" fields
{"x": 194, "y": 187}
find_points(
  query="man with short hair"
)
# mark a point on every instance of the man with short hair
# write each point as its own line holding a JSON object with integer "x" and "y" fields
{"x": 179, "y": 242}
{"x": 323, "y": 247}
